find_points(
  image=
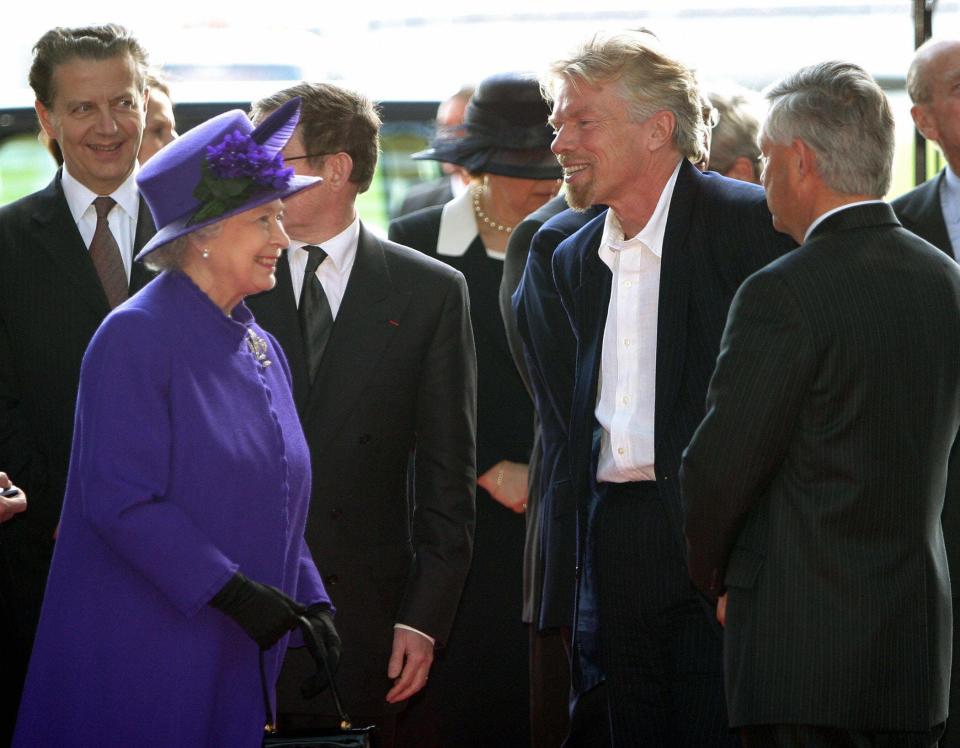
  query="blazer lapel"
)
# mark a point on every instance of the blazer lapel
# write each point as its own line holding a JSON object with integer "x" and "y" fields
{"x": 140, "y": 275}
{"x": 276, "y": 311}
{"x": 592, "y": 300}
{"x": 58, "y": 236}
{"x": 675, "y": 279}
{"x": 369, "y": 316}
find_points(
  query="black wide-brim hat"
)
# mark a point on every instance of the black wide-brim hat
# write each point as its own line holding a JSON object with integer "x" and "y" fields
{"x": 504, "y": 132}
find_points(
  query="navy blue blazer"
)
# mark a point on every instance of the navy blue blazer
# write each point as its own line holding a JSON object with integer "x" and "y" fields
{"x": 719, "y": 231}
{"x": 549, "y": 352}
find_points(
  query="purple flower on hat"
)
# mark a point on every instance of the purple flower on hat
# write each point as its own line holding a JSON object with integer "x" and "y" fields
{"x": 236, "y": 169}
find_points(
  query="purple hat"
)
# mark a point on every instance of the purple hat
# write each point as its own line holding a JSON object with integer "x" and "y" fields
{"x": 221, "y": 167}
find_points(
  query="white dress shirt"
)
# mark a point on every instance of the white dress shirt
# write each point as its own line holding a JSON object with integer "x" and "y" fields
{"x": 626, "y": 399}
{"x": 334, "y": 272}
{"x": 122, "y": 219}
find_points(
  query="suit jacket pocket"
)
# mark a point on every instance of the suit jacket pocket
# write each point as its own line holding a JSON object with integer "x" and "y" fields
{"x": 744, "y": 567}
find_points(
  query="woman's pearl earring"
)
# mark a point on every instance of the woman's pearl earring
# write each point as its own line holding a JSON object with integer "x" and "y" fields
{"x": 205, "y": 253}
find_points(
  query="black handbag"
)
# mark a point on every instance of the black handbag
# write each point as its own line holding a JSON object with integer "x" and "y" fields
{"x": 346, "y": 736}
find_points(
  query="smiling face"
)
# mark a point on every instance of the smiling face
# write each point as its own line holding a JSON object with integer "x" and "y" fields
{"x": 241, "y": 255}
{"x": 600, "y": 149}
{"x": 160, "y": 127}
{"x": 97, "y": 117}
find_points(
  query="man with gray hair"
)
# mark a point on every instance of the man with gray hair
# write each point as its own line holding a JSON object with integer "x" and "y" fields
{"x": 646, "y": 287}
{"x": 814, "y": 486}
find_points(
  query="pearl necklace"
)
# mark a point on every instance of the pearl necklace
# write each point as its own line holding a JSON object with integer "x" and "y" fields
{"x": 478, "y": 211}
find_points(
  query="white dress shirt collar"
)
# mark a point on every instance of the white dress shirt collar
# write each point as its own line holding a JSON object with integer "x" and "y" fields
{"x": 458, "y": 227}
{"x": 80, "y": 197}
{"x": 651, "y": 235}
{"x": 334, "y": 272}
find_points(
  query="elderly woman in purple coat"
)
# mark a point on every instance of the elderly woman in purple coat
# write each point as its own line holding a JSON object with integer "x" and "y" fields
{"x": 181, "y": 554}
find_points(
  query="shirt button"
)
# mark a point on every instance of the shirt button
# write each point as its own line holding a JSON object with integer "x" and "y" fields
{"x": 626, "y": 400}
{"x": 621, "y": 450}
{"x": 626, "y": 342}
{"x": 628, "y": 284}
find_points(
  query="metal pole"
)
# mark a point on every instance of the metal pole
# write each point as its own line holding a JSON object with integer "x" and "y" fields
{"x": 922, "y": 30}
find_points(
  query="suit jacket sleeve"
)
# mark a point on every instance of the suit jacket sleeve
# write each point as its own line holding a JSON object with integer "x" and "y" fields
{"x": 445, "y": 471}
{"x": 766, "y": 362}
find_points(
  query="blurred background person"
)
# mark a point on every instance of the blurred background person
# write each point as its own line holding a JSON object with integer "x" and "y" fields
{"x": 181, "y": 549}
{"x": 734, "y": 151}
{"x": 455, "y": 180}
{"x": 505, "y": 146}
{"x": 70, "y": 246}
{"x": 160, "y": 127}
{"x": 10, "y": 505}
{"x": 932, "y": 211}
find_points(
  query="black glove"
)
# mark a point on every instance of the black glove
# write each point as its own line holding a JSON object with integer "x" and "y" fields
{"x": 264, "y": 612}
{"x": 328, "y": 642}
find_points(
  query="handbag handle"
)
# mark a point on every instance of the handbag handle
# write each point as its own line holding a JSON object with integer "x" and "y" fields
{"x": 320, "y": 659}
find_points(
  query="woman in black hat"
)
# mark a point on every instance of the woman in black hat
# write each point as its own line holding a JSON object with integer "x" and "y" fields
{"x": 504, "y": 143}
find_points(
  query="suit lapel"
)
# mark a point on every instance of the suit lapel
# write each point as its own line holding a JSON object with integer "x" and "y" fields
{"x": 930, "y": 214}
{"x": 675, "y": 277}
{"x": 276, "y": 311}
{"x": 592, "y": 300}
{"x": 58, "y": 237}
{"x": 369, "y": 316}
{"x": 139, "y": 274}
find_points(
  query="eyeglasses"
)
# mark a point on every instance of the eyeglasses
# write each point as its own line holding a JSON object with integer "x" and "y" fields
{"x": 305, "y": 155}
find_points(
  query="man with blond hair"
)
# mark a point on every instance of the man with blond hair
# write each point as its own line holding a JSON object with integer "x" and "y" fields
{"x": 646, "y": 287}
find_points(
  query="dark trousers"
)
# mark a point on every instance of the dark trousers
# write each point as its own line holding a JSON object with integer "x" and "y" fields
{"x": 24, "y": 565}
{"x": 951, "y": 735}
{"x": 661, "y": 653}
{"x": 549, "y": 688}
{"x": 812, "y": 736}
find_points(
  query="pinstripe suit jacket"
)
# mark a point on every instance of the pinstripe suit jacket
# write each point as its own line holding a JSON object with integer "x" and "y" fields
{"x": 815, "y": 483}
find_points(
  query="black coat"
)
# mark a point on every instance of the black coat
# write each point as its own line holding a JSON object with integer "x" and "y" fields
{"x": 397, "y": 381}
{"x": 815, "y": 484}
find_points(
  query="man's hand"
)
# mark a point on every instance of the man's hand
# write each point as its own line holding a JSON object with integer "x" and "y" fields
{"x": 10, "y": 505}
{"x": 507, "y": 483}
{"x": 409, "y": 664}
{"x": 722, "y": 609}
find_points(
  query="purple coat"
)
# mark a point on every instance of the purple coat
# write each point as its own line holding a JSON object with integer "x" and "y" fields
{"x": 188, "y": 464}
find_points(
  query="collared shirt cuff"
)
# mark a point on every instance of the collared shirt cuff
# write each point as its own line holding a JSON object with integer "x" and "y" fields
{"x": 416, "y": 631}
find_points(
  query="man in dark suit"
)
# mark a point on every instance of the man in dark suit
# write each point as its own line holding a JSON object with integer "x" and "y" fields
{"x": 814, "y": 486}
{"x": 389, "y": 409}
{"x": 646, "y": 287}
{"x": 932, "y": 210}
{"x": 64, "y": 267}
